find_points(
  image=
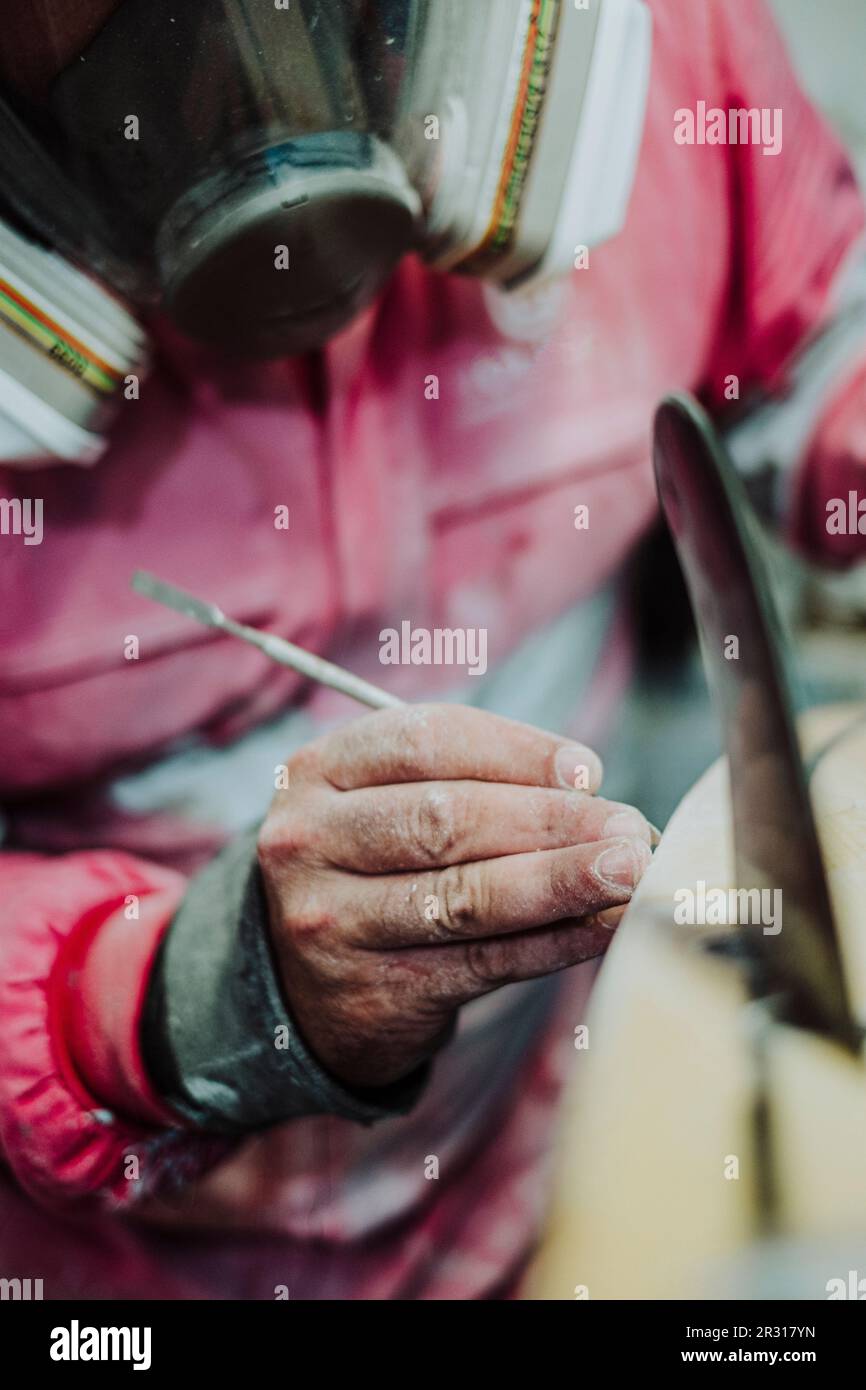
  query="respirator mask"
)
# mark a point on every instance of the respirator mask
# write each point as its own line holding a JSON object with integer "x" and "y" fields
{"x": 255, "y": 170}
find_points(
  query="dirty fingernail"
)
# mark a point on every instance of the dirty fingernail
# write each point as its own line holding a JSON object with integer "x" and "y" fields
{"x": 655, "y": 835}
{"x": 621, "y": 865}
{"x": 578, "y": 768}
{"x": 628, "y": 821}
{"x": 612, "y": 916}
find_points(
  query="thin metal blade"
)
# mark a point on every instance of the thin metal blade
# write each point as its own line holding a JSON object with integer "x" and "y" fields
{"x": 178, "y": 599}
{"x": 285, "y": 653}
{"x": 776, "y": 845}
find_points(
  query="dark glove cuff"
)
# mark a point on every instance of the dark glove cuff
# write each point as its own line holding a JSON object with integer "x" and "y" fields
{"x": 217, "y": 1037}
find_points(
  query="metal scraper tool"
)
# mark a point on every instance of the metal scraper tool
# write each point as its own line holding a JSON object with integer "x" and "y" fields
{"x": 277, "y": 648}
{"x": 775, "y": 841}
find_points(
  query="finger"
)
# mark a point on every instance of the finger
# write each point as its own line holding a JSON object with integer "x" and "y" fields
{"x": 420, "y": 825}
{"x": 423, "y": 743}
{"x": 610, "y": 918}
{"x": 456, "y": 974}
{"x": 488, "y": 897}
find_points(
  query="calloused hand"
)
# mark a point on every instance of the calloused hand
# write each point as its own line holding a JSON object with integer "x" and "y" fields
{"x": 423, "y": 856}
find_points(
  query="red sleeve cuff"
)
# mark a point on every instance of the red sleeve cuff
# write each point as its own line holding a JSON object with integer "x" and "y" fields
{"x": 97, "y": 996}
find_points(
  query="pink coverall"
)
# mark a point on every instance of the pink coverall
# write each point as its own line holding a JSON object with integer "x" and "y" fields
{"x": 452, "y": 507}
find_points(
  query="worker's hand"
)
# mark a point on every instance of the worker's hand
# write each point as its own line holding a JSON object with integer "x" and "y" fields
{"x": 425, "y": 855}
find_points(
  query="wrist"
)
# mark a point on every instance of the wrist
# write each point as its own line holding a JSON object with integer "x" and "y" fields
{"x": 219, "y": 1038}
